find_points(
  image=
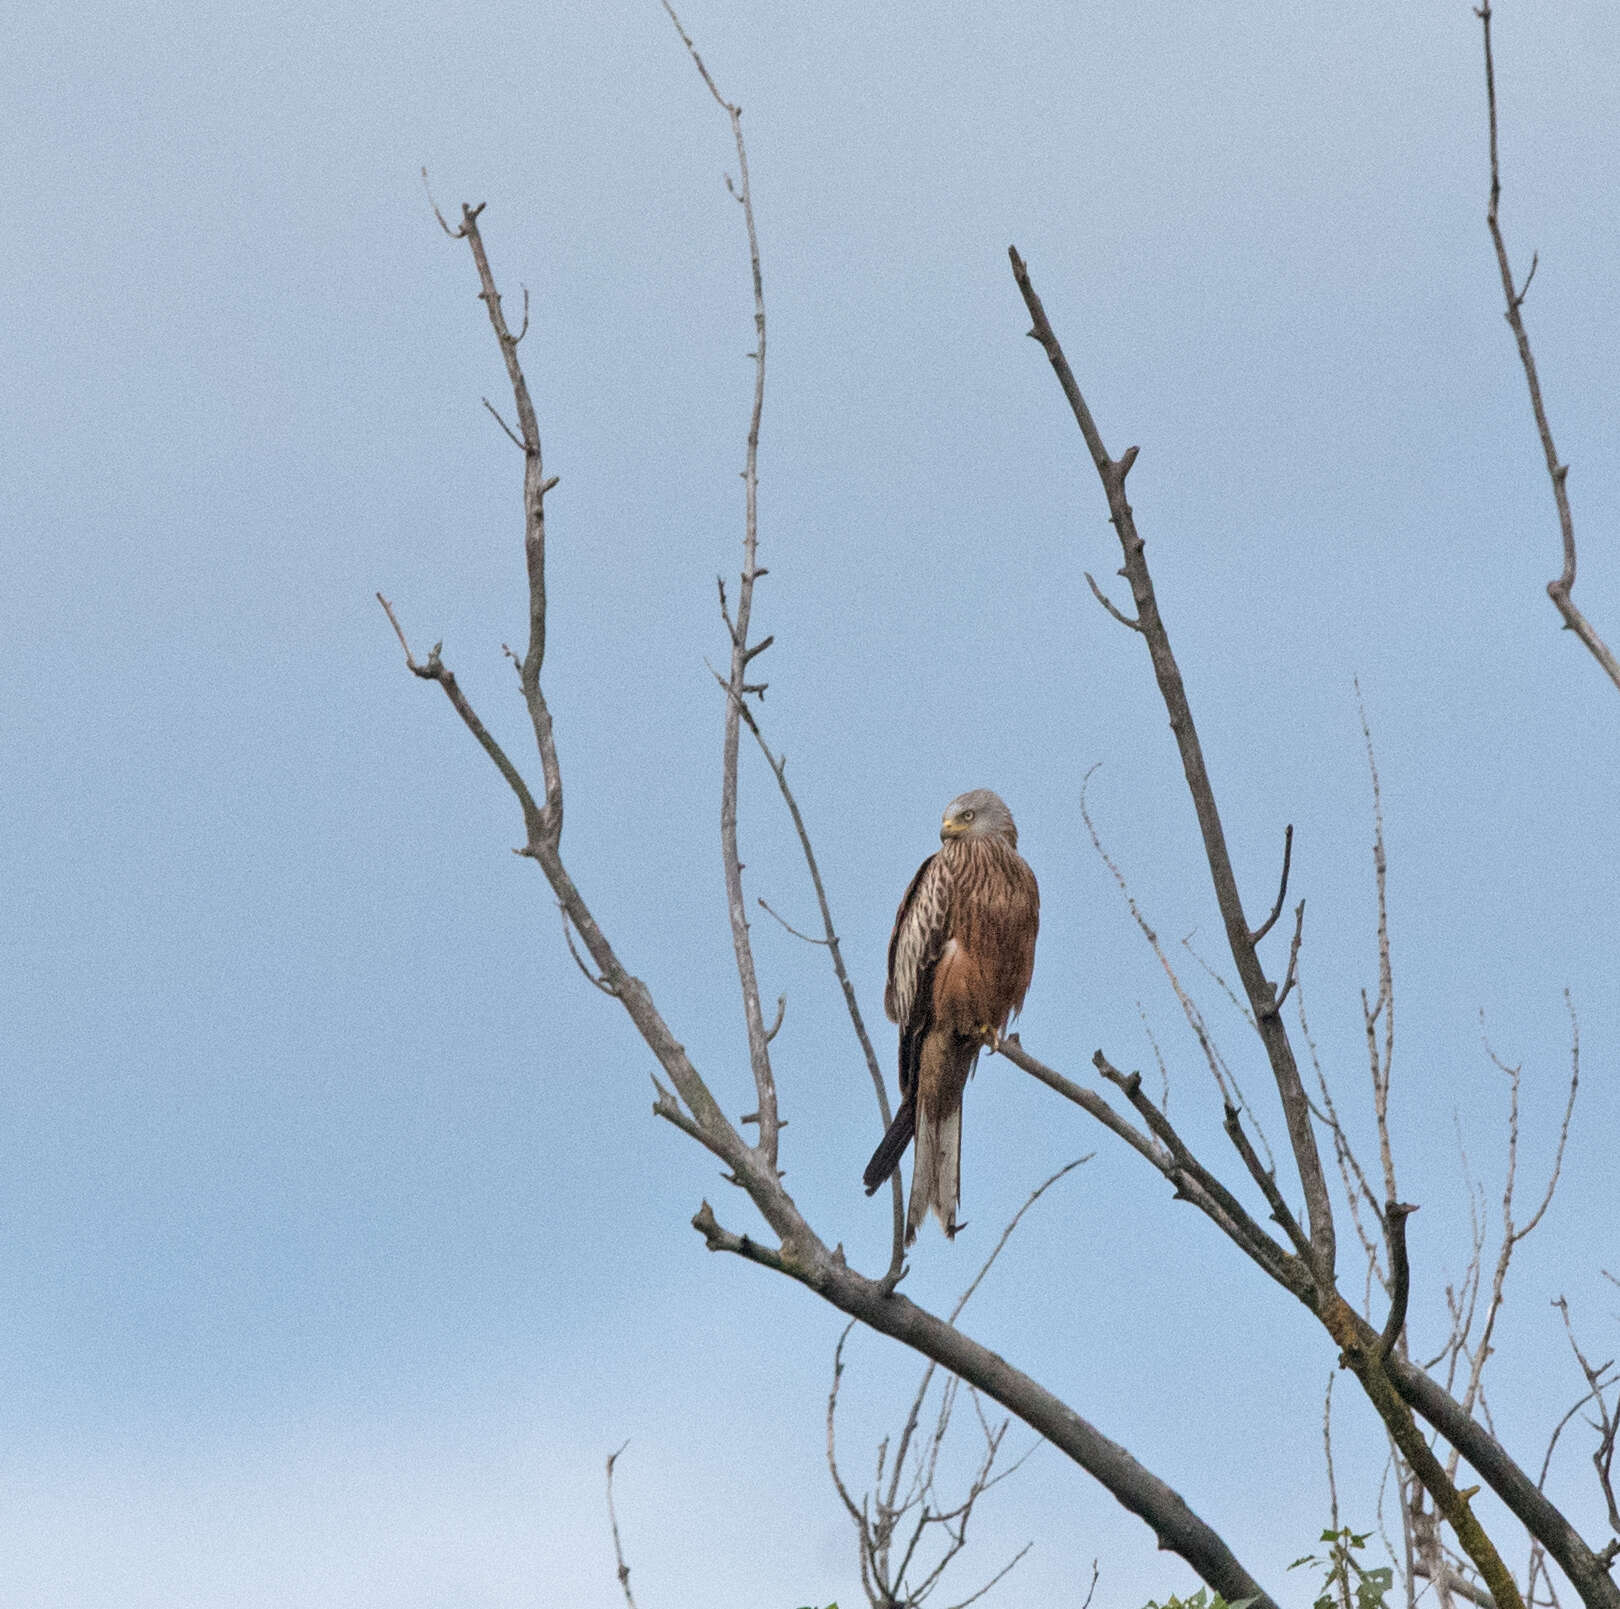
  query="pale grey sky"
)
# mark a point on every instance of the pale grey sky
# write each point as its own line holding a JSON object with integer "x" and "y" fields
{"x": 340, "y": 1246}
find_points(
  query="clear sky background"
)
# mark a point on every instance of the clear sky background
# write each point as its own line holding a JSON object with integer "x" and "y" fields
{"x": 338, "y": 1245}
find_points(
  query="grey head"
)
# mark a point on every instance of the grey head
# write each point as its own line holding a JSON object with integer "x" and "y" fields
{"x": 978, "y": 813}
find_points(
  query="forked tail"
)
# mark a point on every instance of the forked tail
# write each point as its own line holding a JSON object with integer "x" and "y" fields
{"x": 936, "y": 1171}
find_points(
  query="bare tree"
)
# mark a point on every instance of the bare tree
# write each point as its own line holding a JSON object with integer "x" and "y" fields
{"x": 1432, "y": 1429}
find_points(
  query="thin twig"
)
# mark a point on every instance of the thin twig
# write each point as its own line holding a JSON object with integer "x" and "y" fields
{"x": 778, "y": 765}
{"x": 613, "y": 1520}
{"x": 1006, "y": 1234}
{"x": 1108, "y": 603}
{"x": 1266, "y": 1178}
{"x": 738, "y": 687}
{"x": 1333, "y": 1485}
{"x": 1607, "y": 1424}
{"x": 495, "y": 414}
{"x": 1292, "y": 974}
{"x": 1213, "y": 1059}
{"x": 1513, "y": 1232}
{"x": 1194, "y": 1182}
{"x": 1381, "y": 1060}
{"x": 906, "y": 1497}
{"x": 1282, "y": 887}
{"x": 579, "y": 960}
{"x": 1351, "y": 1174}
{"x": 809, "y": 938}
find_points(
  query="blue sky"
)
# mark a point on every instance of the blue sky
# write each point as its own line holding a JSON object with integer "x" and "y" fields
{"x": 340, "y": 1244}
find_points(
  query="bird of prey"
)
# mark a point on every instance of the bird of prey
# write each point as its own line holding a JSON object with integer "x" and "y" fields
{"x": 960, "y": 960}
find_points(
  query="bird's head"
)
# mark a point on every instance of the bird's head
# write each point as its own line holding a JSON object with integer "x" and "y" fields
{"x": 979, "y": 814}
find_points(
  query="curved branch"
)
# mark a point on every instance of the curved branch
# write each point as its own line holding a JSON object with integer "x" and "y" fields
{"x": 1400, "y": 1275}
{"x": 1563, "y": 584}
{"x": 613, "y": 1521}
{"x": 1282, "y": 888}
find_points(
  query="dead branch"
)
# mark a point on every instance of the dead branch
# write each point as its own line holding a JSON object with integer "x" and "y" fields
{"x": 1224, "y": 1081}
{"x": 1087, "y": 1100}
{"x": 1395, "y": 1216}
{"x": 737, "y": 685}
{"x": 1479, "y": 1351}
{"x": 613, "y": 1520}
{"x": 1380, "y": 1059}
{"x": 1260, "y": 991}
{"x": 1333, "y": 1485}
{"x": 1266, "y": 1178}
{"x": 1351, "y": 1174}
{"x": 1282, "y": 887}
{"x": 1607, "y": 1423}
{"x": 1194, "y": 1182}
{"x": 1563, "y": 584}
{"x": 778, "y": 765}
{"x": 1291, "y": 975}
{"x": 1446, "y": 1580}
{"x": 1108, "y": 604}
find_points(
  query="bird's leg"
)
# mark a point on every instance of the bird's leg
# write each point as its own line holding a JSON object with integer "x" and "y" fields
{"x": 990, "y": 1034}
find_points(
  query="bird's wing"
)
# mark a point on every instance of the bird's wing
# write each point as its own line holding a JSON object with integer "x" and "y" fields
{"x": 917, "y": 939}
{"x": 1024, "y": 900}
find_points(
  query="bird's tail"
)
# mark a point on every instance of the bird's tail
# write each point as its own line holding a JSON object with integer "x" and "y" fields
{"x": 936, "y": 1170}
{"x": 891, "y": 1148}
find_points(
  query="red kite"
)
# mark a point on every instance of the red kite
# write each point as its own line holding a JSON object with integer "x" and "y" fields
{"x": 960, "y": 960}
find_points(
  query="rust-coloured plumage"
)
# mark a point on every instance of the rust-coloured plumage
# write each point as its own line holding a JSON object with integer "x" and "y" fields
{"x": 960, "y": 960}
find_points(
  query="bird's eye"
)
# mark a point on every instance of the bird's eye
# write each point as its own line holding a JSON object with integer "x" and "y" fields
{"x": 967, "y": 815}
